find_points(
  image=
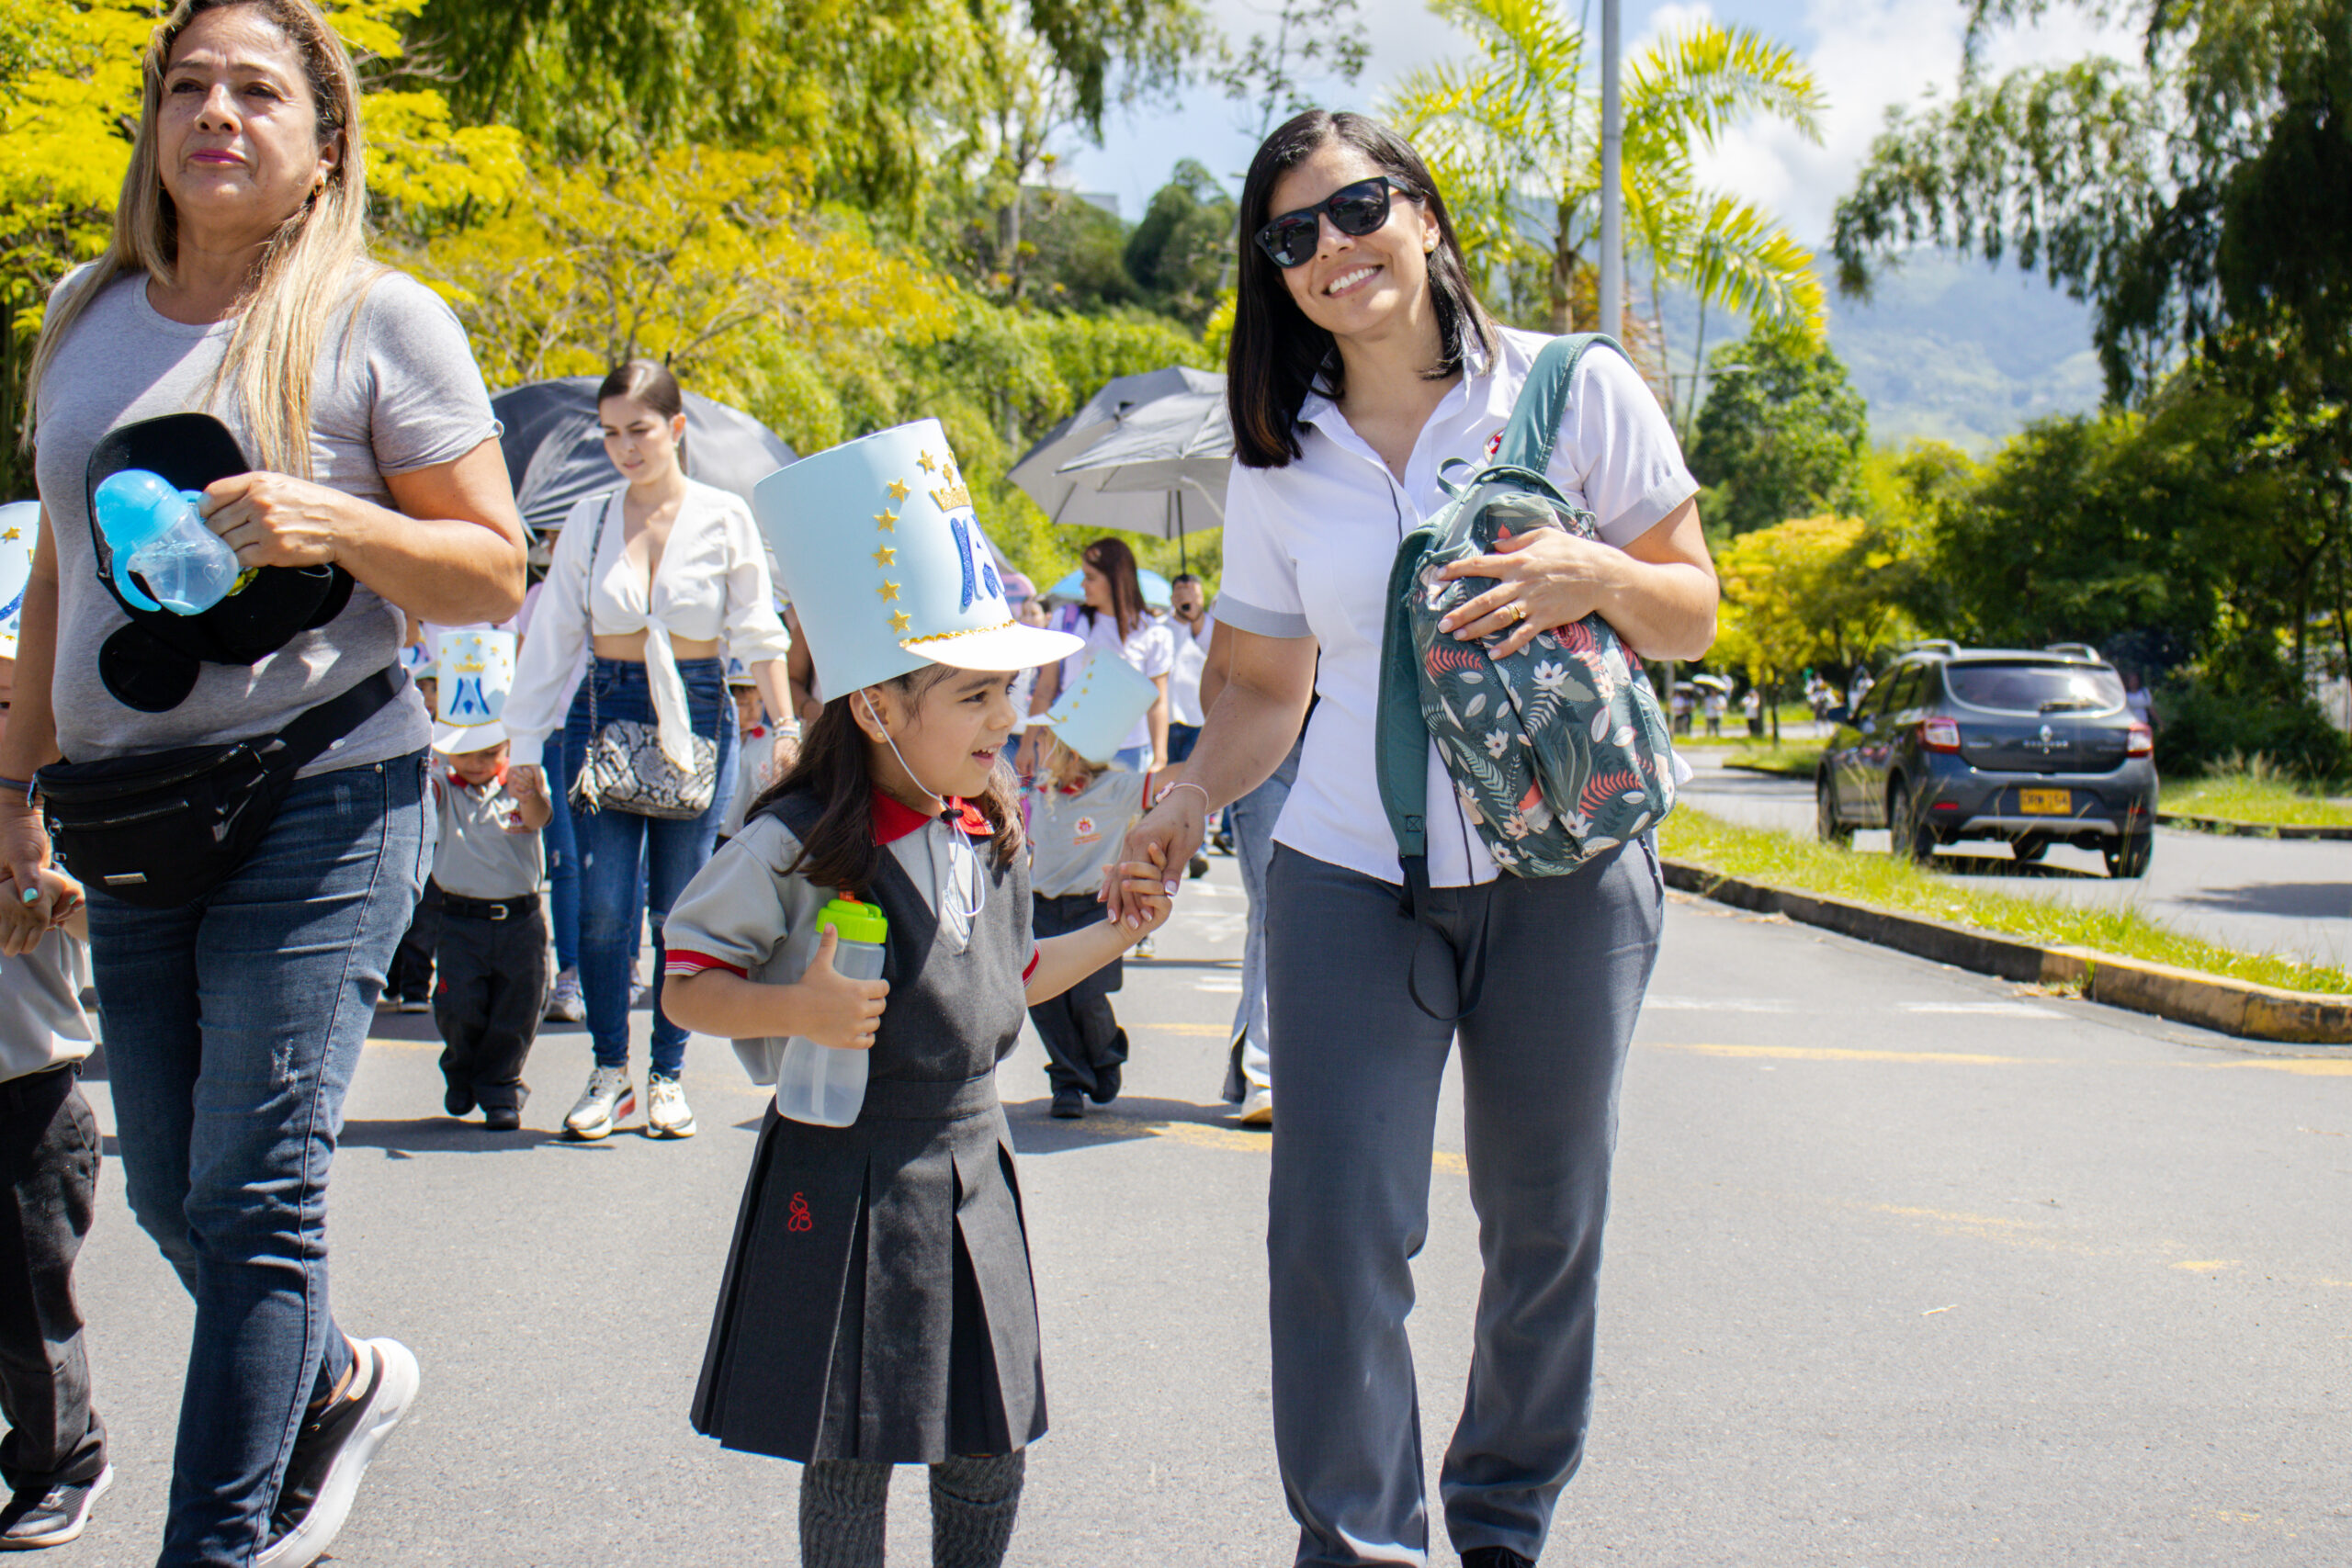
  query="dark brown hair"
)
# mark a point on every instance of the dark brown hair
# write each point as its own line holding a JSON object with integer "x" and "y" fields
{"x": 1116, "y": 562}
{"x": 647, "y": 381}
{"x": 1277, "y": 355}
{"x": 839, "y": 852}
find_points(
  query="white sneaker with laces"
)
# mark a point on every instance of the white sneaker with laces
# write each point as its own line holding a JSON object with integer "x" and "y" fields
{"x": 1258, "y": 1110}
{"x": 607, "y": 1099}
{"x": 565, "y": 1004}
{"x": 667, "y": 1115}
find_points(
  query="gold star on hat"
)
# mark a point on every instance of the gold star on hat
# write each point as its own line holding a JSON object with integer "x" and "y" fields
{"x": 927, "y": 463}
{"x": 897, "y": 489}
{"x": 899, "y": 621}
{"x": 888, "y": 590}
{"x": 885, "y": 555}
{"x": 13, "y": 534}
{"x": 885, "y": 520}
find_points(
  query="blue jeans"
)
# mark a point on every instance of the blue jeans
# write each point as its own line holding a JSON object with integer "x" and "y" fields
{"x": 563, "y": 860}
{"x": 631, "y": 864}
{"x": 232, "y": 1027}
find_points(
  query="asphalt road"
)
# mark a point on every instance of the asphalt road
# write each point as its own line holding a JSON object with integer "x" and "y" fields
{"x": 2258, "y": 895}
{"x": 1907, "y": 1267}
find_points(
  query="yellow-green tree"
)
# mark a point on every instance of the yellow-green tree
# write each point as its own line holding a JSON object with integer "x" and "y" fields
{"x": 1803, "y": 593}
{"x": 69, "y": 102}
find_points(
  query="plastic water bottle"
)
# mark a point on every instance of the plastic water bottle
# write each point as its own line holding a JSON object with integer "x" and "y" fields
{"x": 157, "y": 532}
{"x": 825, "y": 1084}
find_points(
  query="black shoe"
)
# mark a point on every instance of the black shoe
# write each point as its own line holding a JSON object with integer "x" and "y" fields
{"x": 1199, "y": 866}
{"x": 50, "y": 1515}
{"x": 507, "y": 1120}
{"x": 1495, "y": 1557}
{"x": 331, "y": 1454}
{"x": 1070, "y": 1104}
{"x": 1106, "y": 1084}
{"x": 458, "y": 1099}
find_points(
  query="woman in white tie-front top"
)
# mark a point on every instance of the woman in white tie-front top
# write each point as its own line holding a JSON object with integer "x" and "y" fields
{"x": 664, "y": 579}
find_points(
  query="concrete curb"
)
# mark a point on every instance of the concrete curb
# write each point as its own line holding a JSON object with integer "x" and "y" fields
{"x": 2236, "y": 829}
{"x": 1768, "y": 772}
{"x": 2230, "y": 1007}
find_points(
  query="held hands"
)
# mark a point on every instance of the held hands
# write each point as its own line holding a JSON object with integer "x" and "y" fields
{"x": 1147, "y": 888}
{"x": 24, "y": 859}
{"x": 60, "y": 894}
{"x": 526, "y": 781}
{"x": 1167, "y": 836}
{"x": 1545, "y": 577}
{"x": 276, "y": 520}
{"x": 834, "y": 1010}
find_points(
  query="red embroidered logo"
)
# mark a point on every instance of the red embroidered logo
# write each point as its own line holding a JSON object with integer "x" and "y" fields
{"x": 1495, "y": 444}
{"x": 798, "y": 1220}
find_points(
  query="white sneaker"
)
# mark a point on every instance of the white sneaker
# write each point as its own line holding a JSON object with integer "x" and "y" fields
{"x": 565, "y": 1004}
{"x": 332, "y": 1451}
{"x": 607, "y": 1099}
{"x": 638, "y": 991}
{"x": 667, "y": 1114}
{"x": 1258, "y": 1110}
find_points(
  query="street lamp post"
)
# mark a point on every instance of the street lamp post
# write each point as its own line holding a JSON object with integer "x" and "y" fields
{"x": 1612, "y": 195}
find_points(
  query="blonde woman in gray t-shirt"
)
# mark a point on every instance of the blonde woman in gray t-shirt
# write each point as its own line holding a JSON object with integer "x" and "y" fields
{"x": 237, "y": 283}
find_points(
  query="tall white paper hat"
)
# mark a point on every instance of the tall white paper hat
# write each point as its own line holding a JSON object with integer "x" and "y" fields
{"x": 1095, "y": 717}
{"x": 880, "y": 552}
{"x": 477, "y": 671}
{"x": 19, "y": 525}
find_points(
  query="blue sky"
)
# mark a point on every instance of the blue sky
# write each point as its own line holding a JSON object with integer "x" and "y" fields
{"x": 1865, "y": 54}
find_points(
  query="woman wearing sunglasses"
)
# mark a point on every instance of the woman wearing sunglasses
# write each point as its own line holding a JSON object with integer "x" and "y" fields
{"x": 1361, "y": 365}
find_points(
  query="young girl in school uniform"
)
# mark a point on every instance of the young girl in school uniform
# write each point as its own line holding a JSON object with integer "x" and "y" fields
{"x": 877, "y": 1308}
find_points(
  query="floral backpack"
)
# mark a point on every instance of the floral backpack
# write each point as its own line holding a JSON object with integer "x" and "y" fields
{"x": 1557, "y": 753}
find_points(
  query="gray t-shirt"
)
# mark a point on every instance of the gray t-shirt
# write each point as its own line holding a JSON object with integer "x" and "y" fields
{"x": 396, "y": 390}
{"x": 1073, "y": 837}
{"x": 476, "y": 857}
{"x": 42, "y": 1024}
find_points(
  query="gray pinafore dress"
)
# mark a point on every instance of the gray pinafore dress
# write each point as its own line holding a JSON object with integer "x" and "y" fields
{"x": 877, "y": 1302}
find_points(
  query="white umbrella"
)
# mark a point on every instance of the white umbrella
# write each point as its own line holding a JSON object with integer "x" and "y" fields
{"x": 1147, "y": 454}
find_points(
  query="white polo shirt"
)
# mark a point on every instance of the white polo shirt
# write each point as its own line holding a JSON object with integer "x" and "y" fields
{"x": 1308, "y": 546}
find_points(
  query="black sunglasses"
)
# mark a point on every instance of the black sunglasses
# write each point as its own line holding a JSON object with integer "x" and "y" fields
{"x": 1356, "y": 210}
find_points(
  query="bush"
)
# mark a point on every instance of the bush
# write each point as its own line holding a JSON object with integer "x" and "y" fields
{"x": 2201, "y": 726}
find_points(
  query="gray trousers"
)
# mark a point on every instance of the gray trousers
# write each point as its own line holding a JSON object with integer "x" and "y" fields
{"x": 1565, "y": 963}
{"x": 1250, "y": 819}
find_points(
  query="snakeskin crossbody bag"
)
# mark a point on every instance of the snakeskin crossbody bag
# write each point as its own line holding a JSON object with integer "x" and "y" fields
{"x": 625, "y": 769}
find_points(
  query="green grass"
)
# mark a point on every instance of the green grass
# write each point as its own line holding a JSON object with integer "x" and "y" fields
{"x": 2254, "y": 797}
{"x": 1803, "y": 863}
{"x": 1796, "y": 761}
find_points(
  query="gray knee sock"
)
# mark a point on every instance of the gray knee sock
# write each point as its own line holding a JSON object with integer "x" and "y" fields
{"x": 973, "y": 1504}
{"x": 844, "y": 1503}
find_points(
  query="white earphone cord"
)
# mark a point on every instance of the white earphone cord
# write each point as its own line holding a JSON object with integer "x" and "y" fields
{"x": 971, "y": 912}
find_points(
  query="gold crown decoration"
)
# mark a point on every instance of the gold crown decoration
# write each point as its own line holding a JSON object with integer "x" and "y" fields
{"x": 952, "y": 496}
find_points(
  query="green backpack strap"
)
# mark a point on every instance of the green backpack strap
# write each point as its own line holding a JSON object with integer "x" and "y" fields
{"x": 1401, "y": 739}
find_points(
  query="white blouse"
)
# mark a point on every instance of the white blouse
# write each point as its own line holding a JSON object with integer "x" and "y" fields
{"x": 711, "y": 585}
{"x": 1307, "y": 548}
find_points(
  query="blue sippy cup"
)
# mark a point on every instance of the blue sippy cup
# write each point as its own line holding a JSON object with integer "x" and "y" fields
{"x": 157, "y": 532}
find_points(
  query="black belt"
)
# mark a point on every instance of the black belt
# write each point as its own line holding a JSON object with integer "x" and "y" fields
{"x": 924, "y": 1100}
{"x": 490, "y": 908}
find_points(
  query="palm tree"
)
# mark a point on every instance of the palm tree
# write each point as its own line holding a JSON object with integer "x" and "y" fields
{"x": 1513, "y": 133}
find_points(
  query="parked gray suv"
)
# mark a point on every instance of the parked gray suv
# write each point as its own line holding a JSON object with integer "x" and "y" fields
{"x": 2031, "y": 747}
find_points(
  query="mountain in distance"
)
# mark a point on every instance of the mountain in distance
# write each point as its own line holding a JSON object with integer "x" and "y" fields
{"x": 1947, "y": 348}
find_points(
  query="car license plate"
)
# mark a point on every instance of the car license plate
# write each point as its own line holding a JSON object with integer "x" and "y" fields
{"x": 2046, "y": 802}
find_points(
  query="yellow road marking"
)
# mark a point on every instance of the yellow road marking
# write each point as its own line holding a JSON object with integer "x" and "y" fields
{"x": 1217, "y": 1029}
{"x": 2208, "y": 1265}
{"x": 2308, "y": 1066}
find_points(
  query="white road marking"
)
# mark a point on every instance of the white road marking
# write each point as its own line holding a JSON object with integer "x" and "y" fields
{"x": 1982, "y": 1009}
{"x": 1717, "y": 1004}
{"x": 1218, "y": 983}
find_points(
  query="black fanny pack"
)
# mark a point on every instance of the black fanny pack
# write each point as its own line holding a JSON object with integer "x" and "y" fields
{"x": 163, "y": 828}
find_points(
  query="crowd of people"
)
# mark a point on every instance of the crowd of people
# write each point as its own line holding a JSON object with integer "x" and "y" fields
{"x": 876, "y": 805}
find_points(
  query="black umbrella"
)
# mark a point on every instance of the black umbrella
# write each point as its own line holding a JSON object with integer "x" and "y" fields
{"x": 555, "y": 454}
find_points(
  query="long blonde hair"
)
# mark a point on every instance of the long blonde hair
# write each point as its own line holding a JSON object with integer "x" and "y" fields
{"x": 305, "y": 266}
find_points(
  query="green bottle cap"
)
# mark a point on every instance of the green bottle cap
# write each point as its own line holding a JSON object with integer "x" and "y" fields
{"x": 855, "y": 922}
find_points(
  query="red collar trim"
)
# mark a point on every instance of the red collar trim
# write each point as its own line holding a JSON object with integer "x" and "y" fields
{"x": 498, "y": 779}
{"x": 894, "y": 819}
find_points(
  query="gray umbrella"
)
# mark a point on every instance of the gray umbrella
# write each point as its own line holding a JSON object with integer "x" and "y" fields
{"x": 554, "y": 454}
{"x": 1147, "y": 454}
